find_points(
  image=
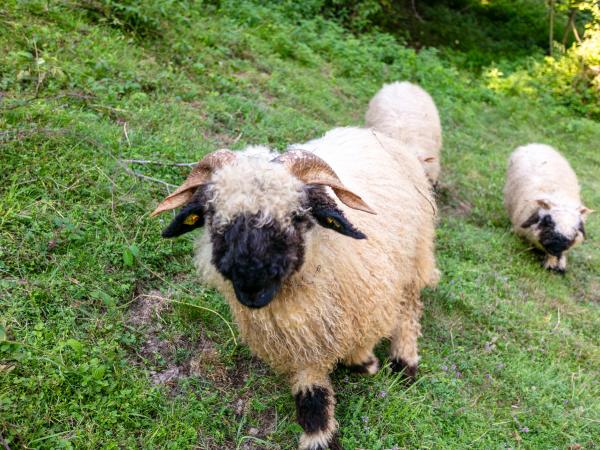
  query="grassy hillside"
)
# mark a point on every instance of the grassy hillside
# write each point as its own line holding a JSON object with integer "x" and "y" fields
{"x": 107, "y": 339}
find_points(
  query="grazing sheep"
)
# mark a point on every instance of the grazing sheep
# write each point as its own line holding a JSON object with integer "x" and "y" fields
{"x": 304, "y": 297}
{"x": 406, "y": 112}
{"x": 541, "y": 196}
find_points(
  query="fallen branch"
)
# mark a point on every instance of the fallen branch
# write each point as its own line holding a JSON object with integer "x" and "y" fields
{"x": 130, "y": 171}
{"x": 158, "y": 163}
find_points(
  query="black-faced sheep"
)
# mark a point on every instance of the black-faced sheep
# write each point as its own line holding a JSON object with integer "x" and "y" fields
{"x": 406, "y": 112}
{"x": 305, "y": 297}
{"x": 542, "y": 198}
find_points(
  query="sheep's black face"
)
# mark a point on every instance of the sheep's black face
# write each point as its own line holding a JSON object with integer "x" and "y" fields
{"x": 554, "y": 242}
{"x": 550, "y": 238}
{"x": 258, "y": 257}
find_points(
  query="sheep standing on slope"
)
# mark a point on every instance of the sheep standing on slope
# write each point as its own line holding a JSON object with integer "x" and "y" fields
{"x": 542, "y": 198}
{"x": 313, "y": 277}
{"x": 406, "y": 112}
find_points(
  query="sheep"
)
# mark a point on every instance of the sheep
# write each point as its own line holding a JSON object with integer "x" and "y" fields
{"x": 303, "y": 297}
{"x": 542, "y": 198}
{"x": 406, "y": 112}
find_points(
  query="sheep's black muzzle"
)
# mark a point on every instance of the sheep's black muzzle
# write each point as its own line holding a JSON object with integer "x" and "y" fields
{"x": 256, "y": 297}
{"x": 555, "y": 243}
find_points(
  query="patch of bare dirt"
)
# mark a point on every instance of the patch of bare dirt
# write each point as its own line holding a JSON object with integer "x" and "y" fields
{"x": 159, "y": 355}
{"x": 207, "y": 363}
{"x": 593, "y": 291}
{"x": 146, "y": 306}
{"x": 210, "y": 443}
{"x": 450, "y": 203}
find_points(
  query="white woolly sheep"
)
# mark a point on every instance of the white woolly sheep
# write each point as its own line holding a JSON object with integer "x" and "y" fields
{"x": 304, "y": 297}
{"x": 406, "y": 112}
{"x": 542, "y": 198}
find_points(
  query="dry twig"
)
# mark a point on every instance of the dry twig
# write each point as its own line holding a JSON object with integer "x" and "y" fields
{"x": 125, "y": 133}
{"x": 158, "y": 163}
{"x": 130, "y": 171}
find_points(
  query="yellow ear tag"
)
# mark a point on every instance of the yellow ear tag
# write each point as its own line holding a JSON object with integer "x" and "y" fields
{"x": 191, "y": 219}
{"x": 332, "y": 221}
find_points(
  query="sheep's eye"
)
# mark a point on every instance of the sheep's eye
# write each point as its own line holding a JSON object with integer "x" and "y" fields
{"x": 191, "y": 219}
{"x": 332, "y": 221}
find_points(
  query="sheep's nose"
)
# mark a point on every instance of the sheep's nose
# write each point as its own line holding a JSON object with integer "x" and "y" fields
{"x": 255, "y": 298}
{"x": 558, "y": 245}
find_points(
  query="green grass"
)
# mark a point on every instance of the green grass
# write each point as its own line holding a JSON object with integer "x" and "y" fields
{"x": 95, "y": 307}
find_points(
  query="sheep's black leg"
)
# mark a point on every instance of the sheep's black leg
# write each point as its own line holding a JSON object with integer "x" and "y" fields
{"x": 363, "y": 361}
{"x": 404, "y": 353}
{"x": 315, "y": 403}
{"x": 409, "y": 371}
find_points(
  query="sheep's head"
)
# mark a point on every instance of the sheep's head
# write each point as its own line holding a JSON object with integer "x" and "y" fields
{"x": 557, "y": 228}
{"x": 257, "y": 212}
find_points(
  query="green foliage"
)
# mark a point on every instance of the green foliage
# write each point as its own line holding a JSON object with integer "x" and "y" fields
{"x": 97, "y": 311}
{"x": 142, "y": 17}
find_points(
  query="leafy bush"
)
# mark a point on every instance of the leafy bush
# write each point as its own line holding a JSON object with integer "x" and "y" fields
{"x": 571, "y": 79}
{"x": 143, "y": 17}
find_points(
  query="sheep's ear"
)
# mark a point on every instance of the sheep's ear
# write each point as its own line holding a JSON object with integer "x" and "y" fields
{"x": 534, "y": 218}
{"x": 328, "y": 215}
{"x": 188, "y": 219}
{"x": 335, "y": 220}
{"x": 585, "y": 211}
{"x": 544, "y": 203}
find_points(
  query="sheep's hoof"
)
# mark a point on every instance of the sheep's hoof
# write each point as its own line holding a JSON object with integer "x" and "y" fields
{"x": 333, "y": 444}
{"x": 369, "y": 367}
{"x": 409, "y": 373}
{"x": 556, "y": 269}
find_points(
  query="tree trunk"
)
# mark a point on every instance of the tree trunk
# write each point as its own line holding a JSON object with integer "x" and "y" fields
{"x": 551, "y": 26}
{"x": 415, "y": 12}
{"x": 568, "y": 27}
{"x": 576, "y": 33}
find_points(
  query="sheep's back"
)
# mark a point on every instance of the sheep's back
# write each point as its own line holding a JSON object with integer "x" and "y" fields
{"x": 406, "y": 112}
{"x": 349, "y": 292}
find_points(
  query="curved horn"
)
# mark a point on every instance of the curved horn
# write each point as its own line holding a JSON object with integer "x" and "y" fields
{"x": 311, "y": 169}
{"x": 198, "y": 176}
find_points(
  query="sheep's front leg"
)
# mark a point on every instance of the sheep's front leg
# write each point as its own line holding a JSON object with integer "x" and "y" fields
{"x": 556, "y": 263}
{"x": 404, "y": 353}
{"x": 315, "y": 403}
